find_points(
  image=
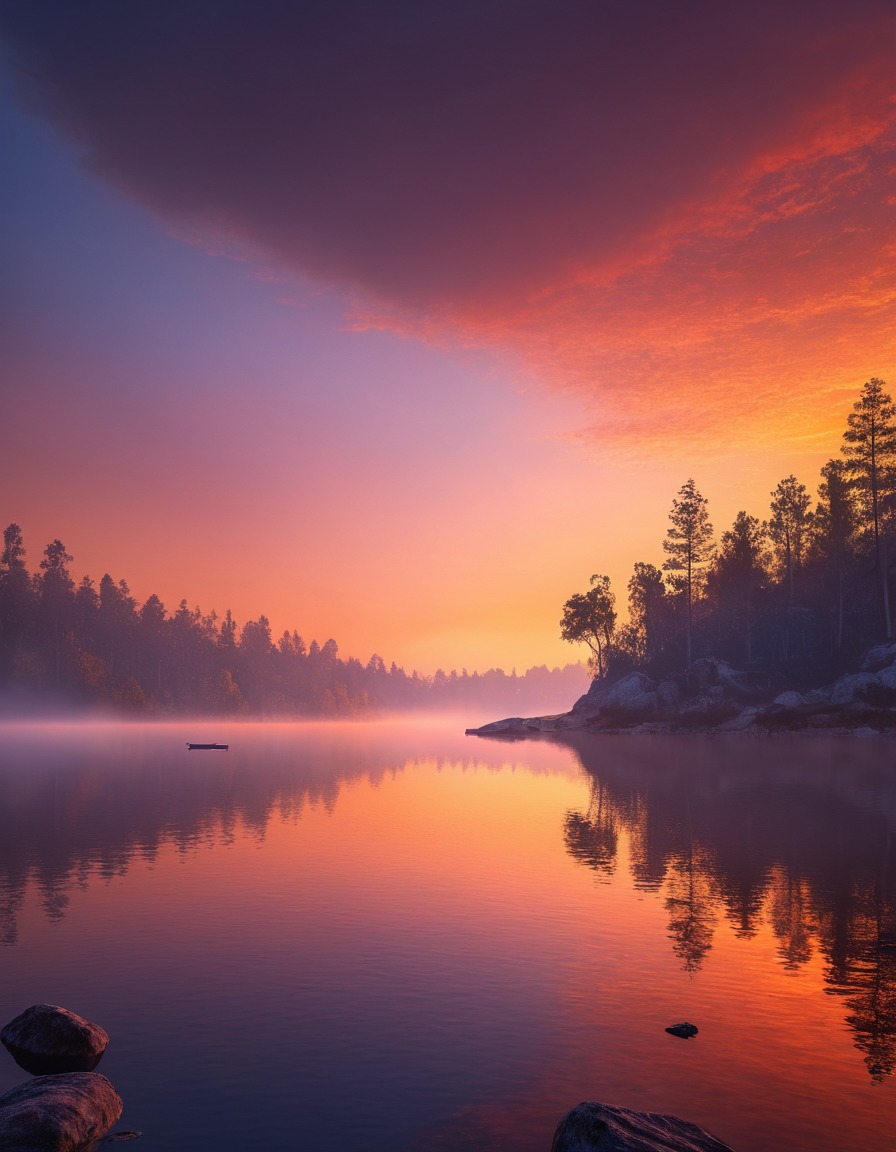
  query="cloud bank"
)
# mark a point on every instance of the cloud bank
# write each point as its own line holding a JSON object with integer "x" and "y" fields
{"x": 685, "y": 212}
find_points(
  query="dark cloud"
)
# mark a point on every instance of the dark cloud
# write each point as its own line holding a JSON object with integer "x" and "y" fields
{"x": 451, "y": 156}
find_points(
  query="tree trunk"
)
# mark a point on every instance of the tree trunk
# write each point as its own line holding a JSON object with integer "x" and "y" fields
{"x": 749, "y": 629}
{"x": 840, "y": 608}
{"x": 689, "y": 616}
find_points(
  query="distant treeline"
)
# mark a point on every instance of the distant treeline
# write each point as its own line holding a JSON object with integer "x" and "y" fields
{"x": 97, "y": 645}
{"x": 802, "y": 593}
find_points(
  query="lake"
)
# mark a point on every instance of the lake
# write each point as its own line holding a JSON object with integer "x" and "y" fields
{"x": 390, "y": 936}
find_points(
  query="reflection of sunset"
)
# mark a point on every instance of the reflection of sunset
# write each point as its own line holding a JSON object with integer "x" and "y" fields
{"x": 508, "y": 926}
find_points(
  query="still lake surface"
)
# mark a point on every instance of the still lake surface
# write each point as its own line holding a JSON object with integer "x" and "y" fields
{"x": 389, "y": 936}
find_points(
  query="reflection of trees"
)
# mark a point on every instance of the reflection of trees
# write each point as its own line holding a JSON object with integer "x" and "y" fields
{"x": 594, "y": 838}
{"x": 11, "y": 900}
{"x": 86, "y": 805}
{"x": 690, "y": 904}
{"x": 865, "y": 974}
{"x": 797, "y": 838}
{"x": 791, "y": 918}
{"x": 649, "y": 837}
{"x": 870, "y": 986}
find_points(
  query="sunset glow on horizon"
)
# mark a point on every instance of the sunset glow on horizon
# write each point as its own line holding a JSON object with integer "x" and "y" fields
{"x": 397, "y": 324}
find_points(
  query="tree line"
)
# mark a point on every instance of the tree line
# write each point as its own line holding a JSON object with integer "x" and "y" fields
{"x": 97, "y": 644}
{"x": 802, "y": 592}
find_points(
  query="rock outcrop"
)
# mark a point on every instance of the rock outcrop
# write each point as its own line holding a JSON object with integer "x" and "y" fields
{"x": 46, "y": 1039}
{"x": 593, "y": 1127}
{"x": 714, "y": 697}
{"x": 58, "y": 1113}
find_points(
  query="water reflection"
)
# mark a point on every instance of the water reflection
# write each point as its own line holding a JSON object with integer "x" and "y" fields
{"x": 796, "y": 835}
{"x": 424, "y": 901}
{"x": 81, "y": 801}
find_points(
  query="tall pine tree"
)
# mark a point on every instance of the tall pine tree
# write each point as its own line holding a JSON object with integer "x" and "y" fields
{"x": 688, "y": 546}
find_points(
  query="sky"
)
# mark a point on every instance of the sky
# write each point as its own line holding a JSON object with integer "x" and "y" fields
{"x": 397, "y": 322}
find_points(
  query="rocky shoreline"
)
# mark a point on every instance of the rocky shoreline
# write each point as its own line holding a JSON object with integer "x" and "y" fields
{"x": 713, "y": 697}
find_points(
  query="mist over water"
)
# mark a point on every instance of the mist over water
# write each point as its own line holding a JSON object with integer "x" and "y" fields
{"x": 389, "y": 935}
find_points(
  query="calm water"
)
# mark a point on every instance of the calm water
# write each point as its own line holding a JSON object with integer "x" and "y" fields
{"x": 394, "y": 937}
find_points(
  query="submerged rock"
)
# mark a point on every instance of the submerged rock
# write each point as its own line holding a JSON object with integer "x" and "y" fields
{"x": 46, "y": 1040}
{"x": 593, "y": 1127}
{"x": 58, "y": 1113}
{"x": 684, "y": 1030}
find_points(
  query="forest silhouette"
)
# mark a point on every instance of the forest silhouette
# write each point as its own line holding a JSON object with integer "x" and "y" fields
{"x": 801, "y": 594}
{"x": 96, "y": 645}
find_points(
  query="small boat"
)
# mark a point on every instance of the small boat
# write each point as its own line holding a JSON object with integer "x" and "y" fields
{"x": 208, "y": 747}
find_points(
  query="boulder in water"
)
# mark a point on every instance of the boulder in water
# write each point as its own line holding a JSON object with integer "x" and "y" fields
{"x": 46, "y": 1040}
{"x": 593, "y": 1127}
{"x": 58, "y": 1113}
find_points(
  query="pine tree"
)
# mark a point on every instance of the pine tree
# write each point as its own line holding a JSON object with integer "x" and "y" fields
{"x": 788, "y": 528}
{"x": 688, "y": 545}
{"x": 739, "y": 571}
{"x": 834, "y": 526}
{"x": 869, "y": 445}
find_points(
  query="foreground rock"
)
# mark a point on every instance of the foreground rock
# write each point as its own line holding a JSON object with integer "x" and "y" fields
{"x": 58, "y": 1113}
{"x": 714, "y": 697}
{"x": 593, "y": 1127}
{"x": 46, "y": 1039}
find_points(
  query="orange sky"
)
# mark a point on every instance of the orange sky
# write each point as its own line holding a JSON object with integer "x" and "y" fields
{"x": 399, "y": 329}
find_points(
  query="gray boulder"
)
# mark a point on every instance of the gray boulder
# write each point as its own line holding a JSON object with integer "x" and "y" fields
{"x": 743, "y": 720}
{"x": 593, "y": 698}
{"x": 633, "y": 693}
{"x": 788, "y": 699}
{"x": 58, "y": 1113}
{"x": 702, "y": 674}
{"x": 702, "y": 707}
{"x": 877, "y": 658}
{"x": 46, "y": 1039}
{"x": 853, "y": 688}
{"x": 593, "y": 1127}
{"x": 668, "y": 695}
{"x": 740, "y": 685}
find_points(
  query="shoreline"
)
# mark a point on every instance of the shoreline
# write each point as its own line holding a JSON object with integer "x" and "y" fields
{"x": 713, "y": 698}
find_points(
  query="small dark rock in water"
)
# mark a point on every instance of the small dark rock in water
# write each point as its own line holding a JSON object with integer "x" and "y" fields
{"x": 46, "y": 1040}
{"x": 58, "y": 1113}
{"x": 593, "y": 1127}
{"x": 685, "y": 1030}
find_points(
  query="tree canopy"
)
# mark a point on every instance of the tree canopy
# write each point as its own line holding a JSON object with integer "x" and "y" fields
{"x": 590, "y": 618}
{"x": 800, "y": 593}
